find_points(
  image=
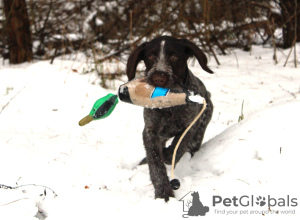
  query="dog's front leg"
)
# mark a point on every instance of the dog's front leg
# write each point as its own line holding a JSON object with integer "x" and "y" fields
{"x": 158, "y": 173}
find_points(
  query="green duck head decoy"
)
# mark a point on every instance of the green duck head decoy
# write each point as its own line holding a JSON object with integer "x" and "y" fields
{"x": 102, "y": 108}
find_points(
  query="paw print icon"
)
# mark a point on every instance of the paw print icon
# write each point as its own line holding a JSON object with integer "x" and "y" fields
{"x": 261, "y": 201}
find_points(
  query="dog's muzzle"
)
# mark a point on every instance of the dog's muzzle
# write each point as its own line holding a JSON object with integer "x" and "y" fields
{"x": 159, "y": 78}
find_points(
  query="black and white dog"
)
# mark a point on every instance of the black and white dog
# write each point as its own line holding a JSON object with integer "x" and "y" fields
{"x": 166, "y": 66}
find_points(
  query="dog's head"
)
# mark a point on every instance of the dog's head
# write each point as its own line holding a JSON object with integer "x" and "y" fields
{"x": 166, "y": 60}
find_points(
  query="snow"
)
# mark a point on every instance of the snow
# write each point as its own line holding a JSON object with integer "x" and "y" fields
{"x": 196, "y": 98}
{"x": 93, "y": 169}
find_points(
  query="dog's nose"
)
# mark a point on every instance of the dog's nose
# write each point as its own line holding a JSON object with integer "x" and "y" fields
{"x": 159, "y": 79}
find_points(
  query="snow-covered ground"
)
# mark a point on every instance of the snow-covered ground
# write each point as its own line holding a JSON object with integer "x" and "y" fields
{"x": 64, "y": 171}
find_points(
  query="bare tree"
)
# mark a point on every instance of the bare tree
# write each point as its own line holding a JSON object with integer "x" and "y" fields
{"x": 18, "y": 33}
{"x": 290, "y": 10}
{"x": 60, "y": 27}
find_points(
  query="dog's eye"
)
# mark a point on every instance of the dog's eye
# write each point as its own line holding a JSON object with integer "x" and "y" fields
{"x": 151, "y": 57}
{"x": 174, "y": 57}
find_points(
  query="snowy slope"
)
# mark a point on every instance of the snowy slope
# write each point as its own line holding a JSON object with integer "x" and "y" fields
{"x": 93, "y": 169}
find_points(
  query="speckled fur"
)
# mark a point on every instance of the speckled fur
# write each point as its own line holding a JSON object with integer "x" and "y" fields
{"x": 166, "y": 123}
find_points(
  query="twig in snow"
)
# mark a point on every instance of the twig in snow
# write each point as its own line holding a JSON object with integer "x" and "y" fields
{"x": 13, "y": 201}
{"x": 237, "y": 61}
{"x": 241, "y": 117}
{"x": 11, "y": 100}
{"x": 16, "y": 187}
{"x": 288, "y": 57}
{"x": 243, "y": 181}
{"x": 292, "y": 94}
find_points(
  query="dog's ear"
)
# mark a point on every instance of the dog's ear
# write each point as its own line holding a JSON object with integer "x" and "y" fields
{"x": 135, "y": 57}
{"x": 193, "y": 50}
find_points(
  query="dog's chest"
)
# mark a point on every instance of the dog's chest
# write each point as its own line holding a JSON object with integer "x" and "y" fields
{"x": 171, "y": 122}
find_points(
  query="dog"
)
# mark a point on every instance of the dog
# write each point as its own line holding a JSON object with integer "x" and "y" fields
{"x": 166, "y": 59}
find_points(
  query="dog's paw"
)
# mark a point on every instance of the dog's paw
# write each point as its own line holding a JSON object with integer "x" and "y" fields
{"x": 164, "y": 193}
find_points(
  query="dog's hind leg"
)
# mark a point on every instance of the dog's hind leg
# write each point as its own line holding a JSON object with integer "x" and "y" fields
{"x": 192, "y": 140}
{"x": 168, "y": 152}
{"x": 201, "y": 126}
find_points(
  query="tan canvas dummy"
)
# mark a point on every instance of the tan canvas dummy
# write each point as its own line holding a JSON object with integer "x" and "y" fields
{"x": 139, "y": 92}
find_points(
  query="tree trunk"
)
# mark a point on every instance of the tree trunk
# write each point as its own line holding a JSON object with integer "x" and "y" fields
{"x": 288, "y": 14}
{"x": 18, "y": 31}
